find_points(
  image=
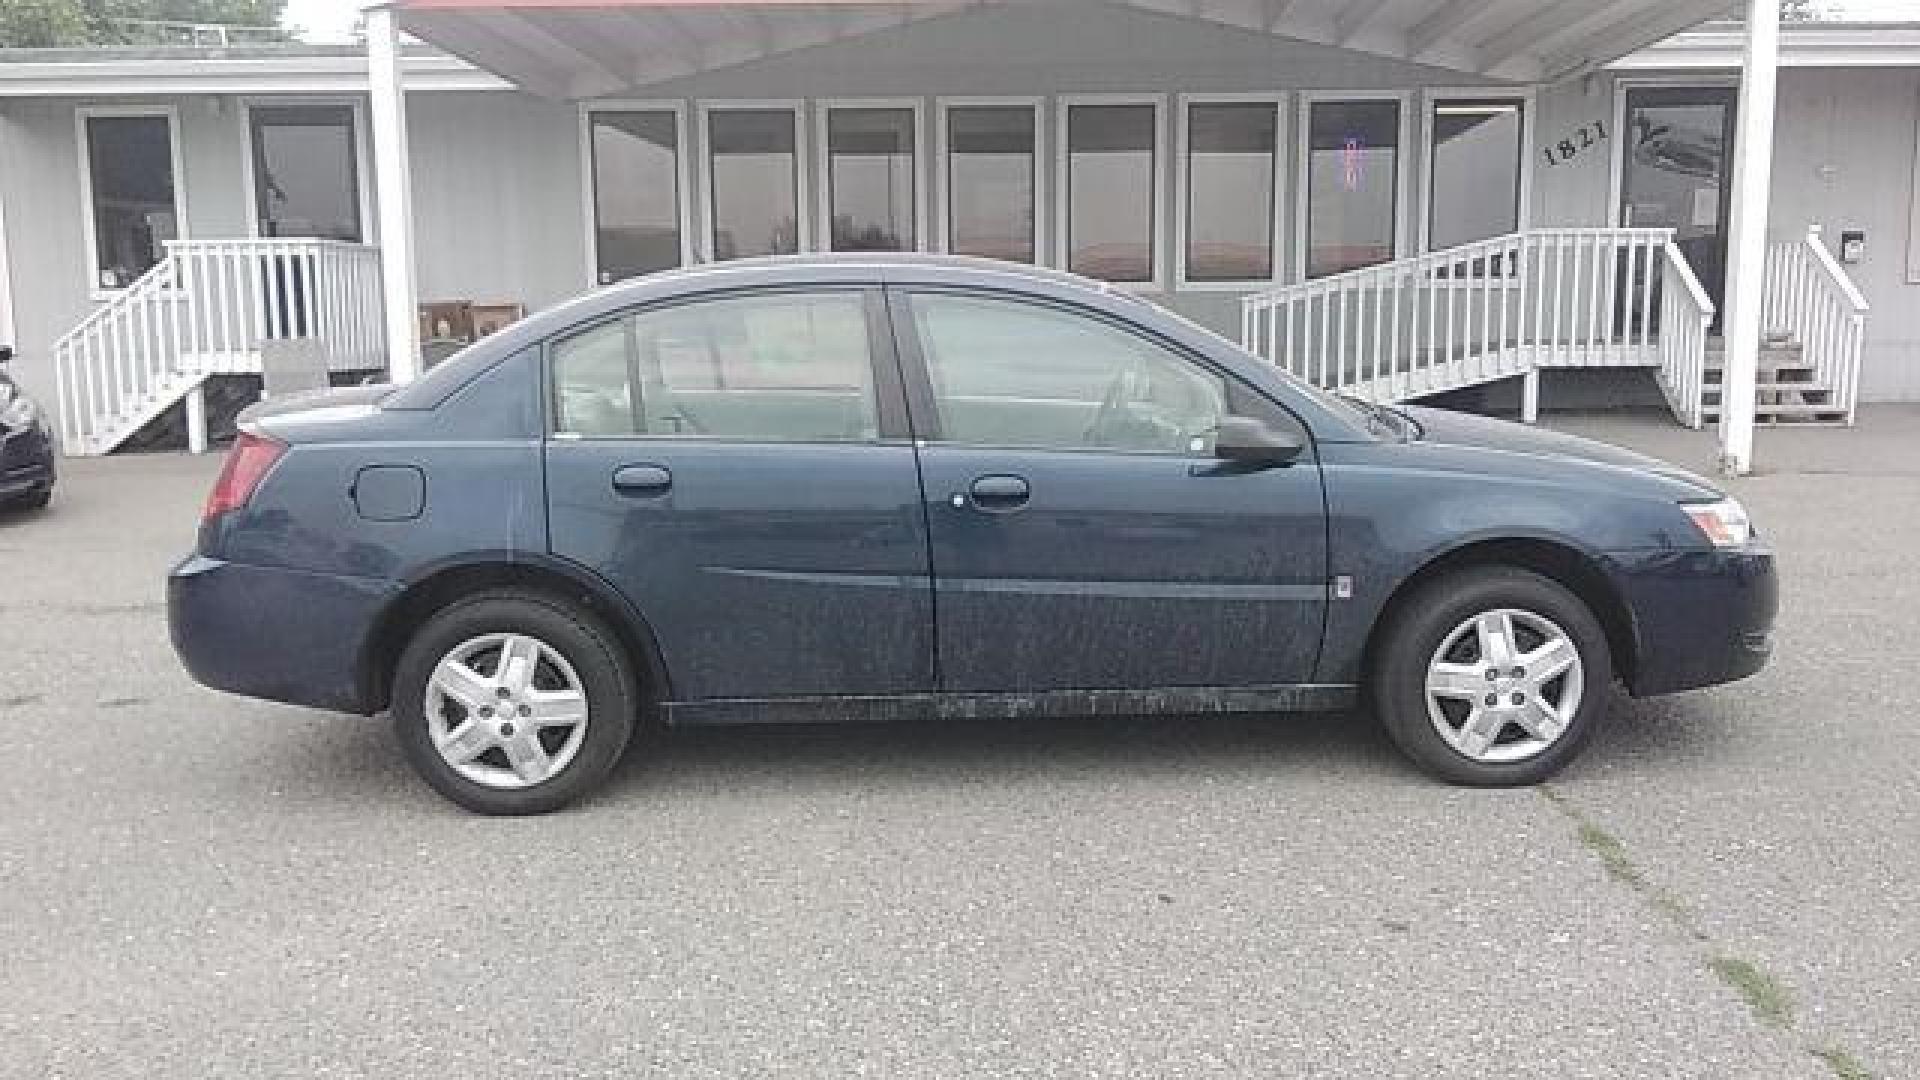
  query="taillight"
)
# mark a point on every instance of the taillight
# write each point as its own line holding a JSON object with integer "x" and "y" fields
{"x": 247, "y": 463}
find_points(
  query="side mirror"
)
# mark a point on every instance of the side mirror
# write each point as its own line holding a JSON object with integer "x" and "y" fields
{"x": 1253, "y": 441}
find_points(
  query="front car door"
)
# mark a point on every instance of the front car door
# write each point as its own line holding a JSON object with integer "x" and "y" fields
{"x": 738, "y": 466}
{"x": 1084, "y": 536}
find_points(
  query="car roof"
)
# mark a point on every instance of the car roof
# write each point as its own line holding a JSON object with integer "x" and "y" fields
{"x": 847, "y": 269}
{"x": 771, "y": 271}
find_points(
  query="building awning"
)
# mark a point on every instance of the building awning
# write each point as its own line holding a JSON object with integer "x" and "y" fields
{"x": 596, "y": 48}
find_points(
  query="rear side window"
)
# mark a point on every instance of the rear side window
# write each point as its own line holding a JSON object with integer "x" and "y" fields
{"x": 791, "y": 367}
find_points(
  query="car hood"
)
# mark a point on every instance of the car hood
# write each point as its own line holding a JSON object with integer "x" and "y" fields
{"x": 1447, "y": 428}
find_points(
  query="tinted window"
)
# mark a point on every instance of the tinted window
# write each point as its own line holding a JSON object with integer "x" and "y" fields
{"x": 870, "y": 179}
{"x": 787, "y": 368}
{"x": 305, "y": 176}
{"x": 636, "y": 193}
{"x": 130, "y": 173}
{"x": 1007, "y": 373}
{"x": 756, "y": 195}
{"x": 1230, "y": 181}
{"x": 1353, "y": 182}
{"x": 1476, "y": 172}
{"x": 1110, "y": 191}
{"x": 990, "y": 181}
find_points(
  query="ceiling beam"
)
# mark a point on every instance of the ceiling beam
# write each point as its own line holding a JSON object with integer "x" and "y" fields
{"x": 1440, "y": 25}
{"x": 1629, "y": 34}
{"x": 1354, "y": 17}
{"x": 1556, "y": 22}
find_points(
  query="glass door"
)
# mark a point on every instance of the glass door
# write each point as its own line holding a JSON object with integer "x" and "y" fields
{"x": 1676, "y": 173}
{"x": 306, "y": 173}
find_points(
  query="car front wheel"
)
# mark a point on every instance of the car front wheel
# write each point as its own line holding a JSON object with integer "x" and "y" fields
{"x": 1492, "y": 677}
{"x": 511, "y": 703}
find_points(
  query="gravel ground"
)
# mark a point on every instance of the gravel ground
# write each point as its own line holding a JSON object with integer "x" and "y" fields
{"x": 196, "y": 885}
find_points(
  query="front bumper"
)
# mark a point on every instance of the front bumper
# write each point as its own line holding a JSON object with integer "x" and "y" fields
{"x": 26, "y": 461}
{"x": 1701, "y": 618}
{"x": 282, "y": 635}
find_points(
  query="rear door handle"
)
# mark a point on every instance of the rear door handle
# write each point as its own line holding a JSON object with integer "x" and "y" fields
{"x": 1000, "y": 494}
{"x": 642, "y": 480}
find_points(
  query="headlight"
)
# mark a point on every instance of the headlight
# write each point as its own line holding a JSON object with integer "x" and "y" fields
{"x": 1725, "y": 522}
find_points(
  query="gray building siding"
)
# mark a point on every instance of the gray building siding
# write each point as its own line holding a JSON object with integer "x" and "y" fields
{"x": 500, "y": 201}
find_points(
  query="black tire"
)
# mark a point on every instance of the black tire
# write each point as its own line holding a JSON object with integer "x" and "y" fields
{"x": 31, "y": 501}
{"x": 1398, "y": 680}
{"x": 587, "y": 644}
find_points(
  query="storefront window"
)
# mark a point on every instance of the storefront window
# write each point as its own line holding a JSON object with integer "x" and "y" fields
{"x": 991, "y": 182}
{"x": 755, "y": 193}
{"x": 1474, "y": 189}
{"x": 1353, "y": 184}
{"x": 1111, "y": 191}
{"x": 1230, "y": 190}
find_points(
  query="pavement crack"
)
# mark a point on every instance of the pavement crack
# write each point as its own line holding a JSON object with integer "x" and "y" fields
{"x": 1765, "y": 996}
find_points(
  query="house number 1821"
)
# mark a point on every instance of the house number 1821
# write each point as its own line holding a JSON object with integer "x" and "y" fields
{"x": 1585, "y": 137}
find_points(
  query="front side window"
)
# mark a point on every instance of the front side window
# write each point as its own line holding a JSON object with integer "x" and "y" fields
{"x": 1230, "y": 190}
{"x": 792, "y": 367}
{"x": 306, "y": 172}
{"x": 1013, "y": 374}
{"x": 1112, "y": 167}
{"x": 131, "y": 184}
{"x": 991, "y": 182}
{"x": 754, "y": 161}
{"x": 870, "y": 179}
{"x": 1476, "y": 157}
{"x": 636, "y": 193}
{"x": 1353, "y": 184}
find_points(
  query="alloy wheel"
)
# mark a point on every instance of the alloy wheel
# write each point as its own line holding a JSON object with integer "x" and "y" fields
{"x": 1504, "y": 686}
{"x": 506, "y": 711}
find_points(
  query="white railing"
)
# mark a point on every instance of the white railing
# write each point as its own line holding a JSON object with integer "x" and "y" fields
{"x": 1811, "y": 297}
{"x": 206, "y": 309}
{"x": 1475, "y": 313}
{"x": 243, "y": 292}
{"x": 1685, "y": 320}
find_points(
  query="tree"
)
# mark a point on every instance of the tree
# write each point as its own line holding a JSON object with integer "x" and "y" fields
{"x": 74, "y": 23}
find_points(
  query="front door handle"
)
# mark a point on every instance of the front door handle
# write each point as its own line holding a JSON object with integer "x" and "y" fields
{"x": 642, "y": 480}
{"x": 999, "y": 494}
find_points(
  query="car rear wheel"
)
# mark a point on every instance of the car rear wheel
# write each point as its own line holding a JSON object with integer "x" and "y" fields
{"x": 513, "y": 703}
{"x": 32, "y": 500}
{"x": 1492, "y": 677}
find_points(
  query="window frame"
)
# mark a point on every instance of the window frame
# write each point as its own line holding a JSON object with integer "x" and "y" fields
{"x": 683, "y": 175}
{"x": 362, "y": 159}
{"x": 943, "y": 157}
{"x": 823, "y": 109}
{"x": 923, "y": 406}
{"x": 804, "y": 239}
{"x": 890, "y": 406}
{"x": 1183, "y": 162}
{"x": 1434, "y": 97}
{"x": 90, "y": 228}
{"x": 1157, "y": 232}
{"x": 1405, "y": 163}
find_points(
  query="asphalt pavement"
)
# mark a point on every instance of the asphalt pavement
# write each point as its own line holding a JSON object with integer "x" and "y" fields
{"x": 1726, "y": 885}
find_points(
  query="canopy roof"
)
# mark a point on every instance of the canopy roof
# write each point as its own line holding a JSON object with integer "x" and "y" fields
{"x": 593, "y": 48}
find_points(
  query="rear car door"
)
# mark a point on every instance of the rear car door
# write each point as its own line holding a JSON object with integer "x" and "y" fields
{"x": 1084, "y": 536}
{"x": 738, "y": 466}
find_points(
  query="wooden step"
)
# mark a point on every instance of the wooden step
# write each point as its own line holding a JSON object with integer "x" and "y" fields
{"x": 1784, "y": 413}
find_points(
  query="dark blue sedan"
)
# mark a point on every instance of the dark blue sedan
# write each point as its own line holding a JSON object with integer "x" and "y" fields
{"x": 908, "y": 488}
